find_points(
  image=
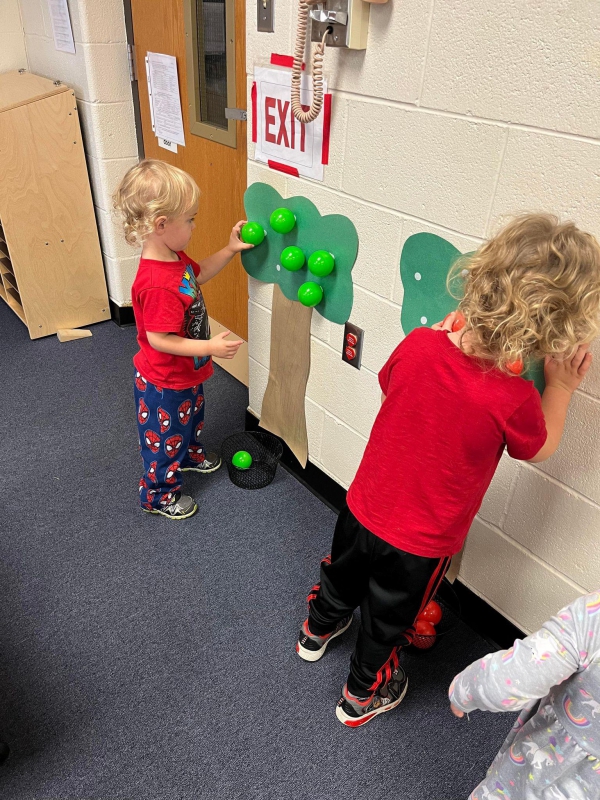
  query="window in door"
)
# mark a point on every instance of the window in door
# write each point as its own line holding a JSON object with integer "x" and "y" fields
{"x": 210, "y": 37}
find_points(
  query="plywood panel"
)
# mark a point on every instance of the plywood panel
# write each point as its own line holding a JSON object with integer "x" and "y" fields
{"x": 48, "y": 216}
{"x": 16, "y": 89}
{"x": 220, "y": 171}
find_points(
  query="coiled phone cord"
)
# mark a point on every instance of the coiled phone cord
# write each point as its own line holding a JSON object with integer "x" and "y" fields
{"x": 317, "y": 67}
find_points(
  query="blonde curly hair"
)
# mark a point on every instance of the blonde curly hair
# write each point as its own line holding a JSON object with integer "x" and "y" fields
{"x": 531, "y": 291}
{"x": 150, "y": 190}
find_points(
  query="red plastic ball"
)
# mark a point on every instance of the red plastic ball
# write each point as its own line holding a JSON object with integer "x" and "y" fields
{"x": 516, "y": 367}
{"x": 425, "y": 635}
{"x": 431, "y": 613}
{"x": 459, "y": 322}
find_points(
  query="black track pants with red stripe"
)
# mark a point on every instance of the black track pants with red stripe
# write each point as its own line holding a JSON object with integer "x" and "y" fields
{"x": 390, "y": 586}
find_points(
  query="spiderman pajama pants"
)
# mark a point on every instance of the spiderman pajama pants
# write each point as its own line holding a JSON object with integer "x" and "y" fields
{"x": 390, "y": 586}
{"x": 170, "y": 425}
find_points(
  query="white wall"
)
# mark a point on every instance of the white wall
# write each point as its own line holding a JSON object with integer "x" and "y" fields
{"x": 457, "y": 113}
{"x": 99, "y": 74}
{"x": 12, "y": 40}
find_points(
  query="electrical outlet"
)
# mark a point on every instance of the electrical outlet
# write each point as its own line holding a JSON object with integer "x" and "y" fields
{"x": 353, "y": 343}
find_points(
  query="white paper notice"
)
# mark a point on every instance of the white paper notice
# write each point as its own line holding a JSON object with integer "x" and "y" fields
{"x": 167, "y": 145}
{"x": 61, "y": 25}
{"x": 163, "y": 88}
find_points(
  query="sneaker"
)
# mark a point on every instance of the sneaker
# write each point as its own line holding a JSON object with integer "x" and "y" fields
{"x": 356, "y": 711}
{"x": 181, "y": 507}
{"x": 311, "y": 647}
{"x": 211, "y": 463}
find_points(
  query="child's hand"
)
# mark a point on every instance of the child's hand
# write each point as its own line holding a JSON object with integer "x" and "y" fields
{"x": 569, "y": 373}
{"x": 447, "y": 323}
{"x": 222, "y": 349}
{"x": 235, "y": 243}
{"x": 456, "y": 711}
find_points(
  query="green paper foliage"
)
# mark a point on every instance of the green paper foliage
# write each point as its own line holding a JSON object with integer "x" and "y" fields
{"x": 333, "y": 232}
{"x": 424, "y": 265}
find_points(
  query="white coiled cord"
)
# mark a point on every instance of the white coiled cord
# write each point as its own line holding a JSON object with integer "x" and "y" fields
{"x": 317, "y": 67}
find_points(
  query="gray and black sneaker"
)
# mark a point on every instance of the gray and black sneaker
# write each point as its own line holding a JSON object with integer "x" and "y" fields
{"x": 311, "y": 647}
{"x": 181, "y": 507}
{"x": 211, "y": 463}
{"x": 356, "y": 711}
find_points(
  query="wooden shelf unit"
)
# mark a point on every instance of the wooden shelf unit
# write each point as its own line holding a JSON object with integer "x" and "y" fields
{"x": 51, "y": 271}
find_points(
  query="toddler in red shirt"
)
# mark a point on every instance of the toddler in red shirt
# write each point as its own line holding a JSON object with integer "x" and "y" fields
{"x": 451, "y": 404}
{"x": 158, "y": 203}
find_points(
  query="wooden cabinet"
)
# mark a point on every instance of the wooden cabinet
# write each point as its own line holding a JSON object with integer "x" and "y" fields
{"x": 50, "y": 260}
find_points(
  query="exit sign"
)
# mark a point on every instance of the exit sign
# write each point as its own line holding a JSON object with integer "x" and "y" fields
{"x": 281, "y": 141}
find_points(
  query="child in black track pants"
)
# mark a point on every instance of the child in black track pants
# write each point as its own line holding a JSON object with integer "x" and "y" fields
{"x": 453, "y": 401}
{"x": 390, "y": 586}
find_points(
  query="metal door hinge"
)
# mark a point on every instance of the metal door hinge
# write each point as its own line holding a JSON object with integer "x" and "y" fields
{"x": 131, "y": 59}
{"x": 236, "y": 113}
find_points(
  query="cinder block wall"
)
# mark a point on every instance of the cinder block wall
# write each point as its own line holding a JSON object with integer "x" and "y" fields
{"x": 99, "y": 74}
{"x": 12, "y": 40}
{"x": 456, "y": 114}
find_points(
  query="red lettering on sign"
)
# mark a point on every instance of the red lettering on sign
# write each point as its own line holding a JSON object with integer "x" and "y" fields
{"x": 303, "y": 132}
{"x": 282, "y": 135}
{"x": 269, "y": 119}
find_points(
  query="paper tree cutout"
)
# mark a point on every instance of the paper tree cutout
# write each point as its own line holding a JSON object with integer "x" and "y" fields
{"x": 424, "y": 265}
{"x": 283, "y": 410}
{"x": 312, "y": 232}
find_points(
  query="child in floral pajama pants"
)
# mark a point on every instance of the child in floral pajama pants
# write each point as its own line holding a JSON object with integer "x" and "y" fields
{"x": 553, "y": 676}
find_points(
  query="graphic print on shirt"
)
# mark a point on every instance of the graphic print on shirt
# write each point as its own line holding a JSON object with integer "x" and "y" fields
{"x": 195, "y": 322}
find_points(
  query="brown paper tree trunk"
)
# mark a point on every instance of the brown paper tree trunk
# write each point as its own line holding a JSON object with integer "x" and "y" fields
{"x": 283, "y": 411}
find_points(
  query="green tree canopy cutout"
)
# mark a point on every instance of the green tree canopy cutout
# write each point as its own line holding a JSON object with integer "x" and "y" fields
{"x": 424, "y": 266}
{"x": 333, "y": 233}
{"x": 283, "y": 406}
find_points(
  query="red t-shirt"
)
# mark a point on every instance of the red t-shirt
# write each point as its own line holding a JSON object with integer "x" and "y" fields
{"x": 167, "y": 299}
{"x": 436, "y": 443}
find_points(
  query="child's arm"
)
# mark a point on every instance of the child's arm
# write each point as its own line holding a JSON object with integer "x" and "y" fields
{"x": 510, "y": 679}
{"x": 211, "y": 266}
{"x": 562, "y": 378}
{"x": 178, "y": 346}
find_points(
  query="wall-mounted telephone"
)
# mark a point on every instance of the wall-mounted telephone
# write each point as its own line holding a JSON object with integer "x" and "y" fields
{"x": 336, "y": 23}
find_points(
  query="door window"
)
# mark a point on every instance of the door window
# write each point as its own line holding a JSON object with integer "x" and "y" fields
{"x": 210, "y": 39}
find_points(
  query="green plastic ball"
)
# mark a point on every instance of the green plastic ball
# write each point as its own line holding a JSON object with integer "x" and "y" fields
{"x": 292, "y": 258}
{"x": 242, "y": 460}
{"x": 252, "y": 233}
{"x": 321, "y": 263}
{"x": 310, "y": 294}
{"x": 282, "y": 220}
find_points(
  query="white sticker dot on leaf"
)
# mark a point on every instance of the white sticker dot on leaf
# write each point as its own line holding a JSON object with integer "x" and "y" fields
{"x": 417, "y": 276}
{"x": 278, "y": 268}
{"x": 465, "y": 272}
{"x": 423, "y": 320}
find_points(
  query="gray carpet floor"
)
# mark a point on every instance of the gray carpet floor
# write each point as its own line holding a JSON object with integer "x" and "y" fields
{"x": 147, "y": 659}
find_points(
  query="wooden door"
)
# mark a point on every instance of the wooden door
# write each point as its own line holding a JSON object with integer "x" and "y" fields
{"x": 219, "y": 169}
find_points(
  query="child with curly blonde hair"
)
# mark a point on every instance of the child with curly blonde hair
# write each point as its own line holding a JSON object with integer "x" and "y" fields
{"x": 158, "y": 204}
{"x": 453, "y": 401}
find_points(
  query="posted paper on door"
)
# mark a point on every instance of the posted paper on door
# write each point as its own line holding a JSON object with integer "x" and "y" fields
{"x": 165, "y": 102}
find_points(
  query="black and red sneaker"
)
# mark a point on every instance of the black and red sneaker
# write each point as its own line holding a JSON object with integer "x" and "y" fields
{"x": 356, "y": 711}
{"x": 311, "y": 647}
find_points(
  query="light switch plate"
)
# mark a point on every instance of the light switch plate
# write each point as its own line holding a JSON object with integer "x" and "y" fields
{"x": 353, "y": 344}
{"x": 264, "y": 16}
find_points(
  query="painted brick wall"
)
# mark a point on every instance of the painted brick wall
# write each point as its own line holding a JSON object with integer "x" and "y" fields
{"x": 99, "y": 74}
{"x": 12, "y": 40}
{"x": 456, "y": 114}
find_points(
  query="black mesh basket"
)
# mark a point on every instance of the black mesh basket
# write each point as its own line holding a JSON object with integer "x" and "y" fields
{"x": 265, "y": 449}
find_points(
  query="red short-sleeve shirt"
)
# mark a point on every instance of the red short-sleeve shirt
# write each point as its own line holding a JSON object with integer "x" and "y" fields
{"x": 167, "y": 299}
{"x": 437, "y": 441}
